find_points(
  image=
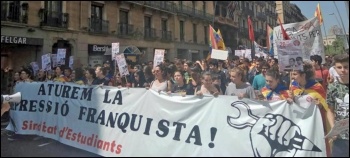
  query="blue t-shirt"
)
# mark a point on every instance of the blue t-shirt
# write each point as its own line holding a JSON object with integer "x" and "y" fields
{"x": 259, "y": 82}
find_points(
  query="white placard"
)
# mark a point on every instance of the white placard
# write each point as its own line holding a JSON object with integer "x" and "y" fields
{"x": 35, "y": 67}
{"x": 61, "y": 57}
{"x": 339, "y": 127}
{"x": 219, "y": 54}
{"x": 122, "y": 65}
{"x": 248, "y": 54}
{"x": 115, "y": 50}
{"x": 46, "y": 62}
{"x": 290, "y": 56}
{"x": 158, "y": 57}
{"x": 71, "y": 62}
{"x": 239, "y": 53}
{"x": 54, "y": 60}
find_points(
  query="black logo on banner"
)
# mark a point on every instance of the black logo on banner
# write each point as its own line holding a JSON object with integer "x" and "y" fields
{"x": 273, "y": 134}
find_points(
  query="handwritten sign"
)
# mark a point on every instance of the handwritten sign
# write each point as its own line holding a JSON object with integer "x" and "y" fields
{"x": 61, "y": 56}
{"x": 46, "y": 62}
{"x": 122, "y": 65}
{"x": 339, "y": 127}
{"x": 158, "y": 57}
{"x": 115, "y": 50}
{"x": 219, "y": 54}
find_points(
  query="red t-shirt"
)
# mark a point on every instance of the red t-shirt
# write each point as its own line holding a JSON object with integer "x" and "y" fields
{"x": 322, "y": 76}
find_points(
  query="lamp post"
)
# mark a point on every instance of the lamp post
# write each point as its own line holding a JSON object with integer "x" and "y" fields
{"x": 347, "y": 41}
{"x": 336, "y": 18}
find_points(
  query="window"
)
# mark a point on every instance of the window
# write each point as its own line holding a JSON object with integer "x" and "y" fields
{"x": 12, "y": 9}
{"x": 206, "y": 41}
{"x": 223, "y": 11}
{"x": 147, "y": 22}
{"x": 53, "y": 6}
{"x": 204, "y": 7}
{"x": 244, "y": 23}
{"x": 217, "y": 10}
{"x": 194, "y": 33}
{"x": 182, "y": 31}
{"x": 96, "y": 12}
{"x": 123, "y": 17}
{"x": 147, "y": 25}
{"x": 164, "y": 24}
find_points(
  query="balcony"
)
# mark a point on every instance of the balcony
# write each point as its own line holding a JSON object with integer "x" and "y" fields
{"x": 125, "y": 30}
{"x": 160, "y": 5}
{"x": 98, "y": 26}
{"x": 150, "y": 33}
{"x": 248, "y": 11}
{"x": 166, "y": 35}
{"x": 53, "y": 19}
{"x": 261, "y": 3}
{"x": 14, "y": 12}
{"x": 261, "y": 16}
{"x": 192, "y": 12}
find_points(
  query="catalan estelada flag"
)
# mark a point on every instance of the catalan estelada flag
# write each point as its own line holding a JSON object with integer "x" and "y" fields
{"x": 220, "y": 42}
{"x": 269, "y": 40}
{"x": 318, "y": 14}
{"x": 280, "y": 90}
{"x": 312, "y": 88}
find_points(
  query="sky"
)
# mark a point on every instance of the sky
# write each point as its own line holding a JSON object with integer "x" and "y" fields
{"x": 327, "y": 7}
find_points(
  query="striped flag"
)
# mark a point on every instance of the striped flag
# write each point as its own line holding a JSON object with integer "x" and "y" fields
{"x": 318, "y": 14}
{"x": 221, "y": 43}
{"x": 231, "y": 8}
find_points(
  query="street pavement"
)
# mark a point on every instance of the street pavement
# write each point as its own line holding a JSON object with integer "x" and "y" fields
{"x": 35, "y": 146}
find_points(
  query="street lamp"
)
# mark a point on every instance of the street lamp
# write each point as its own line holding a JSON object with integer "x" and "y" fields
{"x": 336, "y": 18}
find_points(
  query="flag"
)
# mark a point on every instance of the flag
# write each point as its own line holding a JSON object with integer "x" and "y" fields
{"x": 220, "y": 43}
{"x": 280, "y": 90}
{"x": 212, "y": 40}
{"x": 231, "y": 8}
{"x": 318, "y": 14}
{"x": 250, "y": 30}
{"x": 269, "y": 41}
{"x": 284, "y": 33}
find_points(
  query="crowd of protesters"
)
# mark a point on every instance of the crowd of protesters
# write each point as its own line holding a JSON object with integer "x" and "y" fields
{"x": 241, "y": 77}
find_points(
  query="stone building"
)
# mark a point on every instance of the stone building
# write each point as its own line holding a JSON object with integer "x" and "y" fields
{"x": 86, "y": 29}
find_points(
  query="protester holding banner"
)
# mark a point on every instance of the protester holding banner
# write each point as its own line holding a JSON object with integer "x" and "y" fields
{"x": 41, "y": 76}
{"x": 274, "y": 89}
{"x": 59, "y": 74}
{"x": 149, "y": 77}
{"x": 207, "y": 86}
{"x": 307, "y": 91}
{"x": 238, "y": 86}
{"x": 180, "y": 85}
{"x": 101, "y": 78}
{"x": 139, "y": 79}
{"x": 161, "y": 83}
{"x": 338, "y": 99}
{"x": 26, "y": 75}
{"x": 90, "y": 77}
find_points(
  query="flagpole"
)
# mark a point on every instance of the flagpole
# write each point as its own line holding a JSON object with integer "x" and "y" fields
{"x": 214, "y": 13}
{"x": 324, "y": 27}
{"x": 341, "y": 20}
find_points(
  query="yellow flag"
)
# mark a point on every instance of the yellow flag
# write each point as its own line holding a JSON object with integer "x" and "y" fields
{"x": 221, "y": 43}
{"x": 318, "y": 13}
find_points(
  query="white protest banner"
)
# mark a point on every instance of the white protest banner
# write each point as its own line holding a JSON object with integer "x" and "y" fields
{"x": 339, "y": 127}
{"x": 260, "y": 51}
{"x": 122, "y": 65}
{"x": 46, "y": 62}
{"x": 115, "y": 50}
{"x": 54, "y": 60}
{"x": 158, "y": 57}
{"x": 248, "y": 54}
{"x": 239, "y": 53}
{"x": 71, "y": 62}
{"x": 289, "y": 55}
{"x": 61, "y": 57}
{"x": 219, "y": 54}
{"x": 35, "y": 67}
{"x": 137, "y": 122}
{"x": 307, "y": 32}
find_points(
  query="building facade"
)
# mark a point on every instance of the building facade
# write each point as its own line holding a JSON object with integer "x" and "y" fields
{"x": 234, "y": 29}
{"x": 86, "y": 29}
{"x": 289, "y": 12}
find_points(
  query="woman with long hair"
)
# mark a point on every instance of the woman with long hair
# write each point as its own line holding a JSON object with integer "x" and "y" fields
{"x": 180, "y": 86}
{"x": 161, "y": 83}
{"x": 149, "y": 77}
{"x": 305, "y": 87}
{"x": 90, "y": 77}
{"x": 274, "y": 89}
{"x": 139, "y": 79}
{"x": 207, "y": 86}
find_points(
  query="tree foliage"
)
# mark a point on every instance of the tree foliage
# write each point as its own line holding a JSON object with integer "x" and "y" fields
{"x": 337, "y": 47}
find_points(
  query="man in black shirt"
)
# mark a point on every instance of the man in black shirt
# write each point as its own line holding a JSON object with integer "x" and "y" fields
{"x": 213, "y": 66}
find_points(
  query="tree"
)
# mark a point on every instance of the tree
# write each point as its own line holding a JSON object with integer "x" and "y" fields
{"x": 337, "y": 47}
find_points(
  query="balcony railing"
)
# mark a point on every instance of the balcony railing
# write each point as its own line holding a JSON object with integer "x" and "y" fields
{"x": 183, "y": 9}
{"x": 125, "y": 29}
{"x": 150, "y": 33}
{"x": 166, "y": 35}
{"x": 261, "y": 3}
{"x": 161, "y": 5}
{"x": 14, "y": 12}
{"x": 248, "y": 11}
{"x": 98, "y": 26}
{"x": 53, "y": 19}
